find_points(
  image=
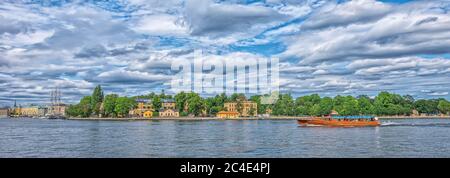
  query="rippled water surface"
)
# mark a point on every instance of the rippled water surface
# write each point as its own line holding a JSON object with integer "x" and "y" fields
{"x": 245, "y": 138}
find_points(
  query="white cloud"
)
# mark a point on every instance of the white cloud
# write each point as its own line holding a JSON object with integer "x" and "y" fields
{"x": 352, "y": 47}
{"x": 346, "y": 13}
{"x": 230, "y": 22}
{"x": 395, "y": 34}
{"x": 161, "y": 24}
{"x": 438, "y": 94}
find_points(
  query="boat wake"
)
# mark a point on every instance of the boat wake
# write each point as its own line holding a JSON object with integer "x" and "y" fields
{"x": 390, "y": 123}
{"x": 429, "y": 124}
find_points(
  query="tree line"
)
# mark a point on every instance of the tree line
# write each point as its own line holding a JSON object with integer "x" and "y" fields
{"x": 189, "y": 103}
{"x": 385, "y": 103}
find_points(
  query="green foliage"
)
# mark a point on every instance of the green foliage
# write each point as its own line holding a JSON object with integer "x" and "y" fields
{"x": 180, "y": 100}
{"x": 391, "y": 104}
{"x": 124, "y": 105}
{"x": 384, "y": 103}
{"x": 196, "y": 104}
{"x": 349, "y": 106}
{"x": 184, "y": 114}
{"x": 73, "y": 110}
{"x": 325, "y": 106}
{"x": 444, "y": 106}
{"x": 109, "y": 105}
{"x": 156, "y": 102}
{"x": 285, "y": 105}
{"x": 85, "y": 106}
{"x": 365, "y": 105}
{"x": 304, "y": 105}
{"x": 427, "y": 106}
{"x": 97, "y": 99}
{"x": 257, "y": 99}
{"x": 82, "y": 109}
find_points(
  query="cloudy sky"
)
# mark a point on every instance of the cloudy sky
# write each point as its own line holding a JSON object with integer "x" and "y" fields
{"x": 326, "y": 47}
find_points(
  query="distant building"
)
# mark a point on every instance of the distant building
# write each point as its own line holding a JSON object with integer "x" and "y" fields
{"x": 42, "y": 110}
{"x": 228, "y": 114}
{"x": 143, "y": 106}
{"x": 168, "y": 104}
{"x": 169, "y": 113}
{"x": 4, "y": 112}
{"x": 247, "y": 108}
{"x": 58, "y": 109}
{"x": 29, "y": 111}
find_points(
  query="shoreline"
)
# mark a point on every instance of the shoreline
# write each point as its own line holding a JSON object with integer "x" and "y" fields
{"x": 413, "y": 117}
{"x": 185, "y": 118}
{"x": 243, "y": 118}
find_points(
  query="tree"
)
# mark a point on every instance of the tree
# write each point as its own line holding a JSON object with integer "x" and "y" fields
{"x": 314, "y": 110}
{"x": 73, "y": 110}
{"x": 365, "y": 105}
{"x": 349, "y": 106}
{"x": 444, "y": 106}
{"x": 196, "y": 104}
{"x": 109, "y": 105}
{"x": 338, "y": 103}
{"x": 284, "y": 106}
{"x": 257, "y": 99}
{"x": 180, "y": 100}
{"x": 325, "y": 106}
{"x": 427, "y": 106}
{"x": 97, "y": 99}
{"x": 85, "y": 106}
{"x": 156, "y": 102}
{"x": 304, "y": 105}
{"x": 123, "y": 106}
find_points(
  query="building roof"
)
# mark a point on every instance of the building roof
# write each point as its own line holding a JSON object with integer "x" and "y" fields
{"x": 168, "y": 100}
{"x": 352, "y": 117}
{"x": 246, "y": 101}
{"x": 228, "y": 112}
{"x": 140, "y": 100}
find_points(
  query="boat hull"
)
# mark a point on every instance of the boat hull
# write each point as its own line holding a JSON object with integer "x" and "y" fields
{"x": 337, "y": 123}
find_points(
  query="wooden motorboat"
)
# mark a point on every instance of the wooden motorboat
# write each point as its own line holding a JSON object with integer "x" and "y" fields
{"x": 341, "y": 121}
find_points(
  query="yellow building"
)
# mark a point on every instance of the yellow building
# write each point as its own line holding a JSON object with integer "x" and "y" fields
{"x": 169, "y": 113}
{"x": 143, "y": 105}
{"x": 247, "y": 106}
{"x": 4, "y": 112}
{"x": 15, "y": 111}
{"x": 228, "y": 114}
{"x": 148, "y": 114}
{"x": 29, "y": 111}
{"x": 168, "y": 104}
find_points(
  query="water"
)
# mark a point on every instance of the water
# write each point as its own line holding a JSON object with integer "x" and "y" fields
{"x": 245, "y": 138}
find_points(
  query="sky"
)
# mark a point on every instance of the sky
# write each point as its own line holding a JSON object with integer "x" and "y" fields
{"x": 326, "y": 47}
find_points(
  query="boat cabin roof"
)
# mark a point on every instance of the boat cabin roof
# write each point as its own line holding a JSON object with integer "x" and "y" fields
{"x": 352, "y": 117}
